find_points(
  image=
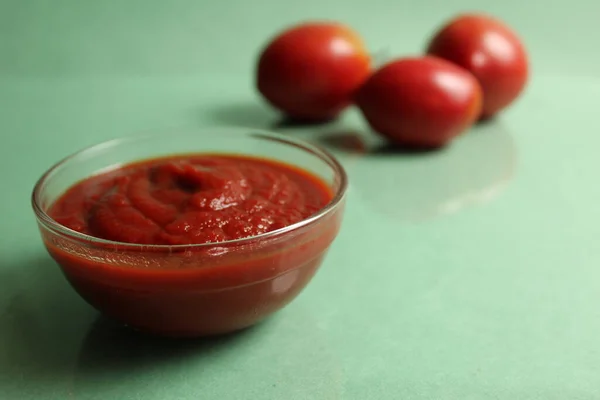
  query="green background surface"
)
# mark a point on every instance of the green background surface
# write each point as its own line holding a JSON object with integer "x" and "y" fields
{"x": 470, "y": 273}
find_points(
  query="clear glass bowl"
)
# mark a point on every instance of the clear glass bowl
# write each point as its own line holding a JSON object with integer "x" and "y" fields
{"x": 192, "y": 290}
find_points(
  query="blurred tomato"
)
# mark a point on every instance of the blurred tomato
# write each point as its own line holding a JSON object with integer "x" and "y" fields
{"x": 420, "y": 102}
{"x": 312, "y": 70}
{"x": 489, "y": 50}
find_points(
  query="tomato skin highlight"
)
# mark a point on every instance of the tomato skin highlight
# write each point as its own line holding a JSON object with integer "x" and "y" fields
{"x": 312, "y": 70}
{"x": 491, "y": 51}
{"x": 421, "y": 102}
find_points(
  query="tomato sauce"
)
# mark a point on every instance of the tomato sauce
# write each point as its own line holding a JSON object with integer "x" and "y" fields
{"x": 184, "y": 201}
{"x": 191, "y": 200}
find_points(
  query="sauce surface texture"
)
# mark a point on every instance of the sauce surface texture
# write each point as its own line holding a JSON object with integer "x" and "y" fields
{"x": 191, "y": 200}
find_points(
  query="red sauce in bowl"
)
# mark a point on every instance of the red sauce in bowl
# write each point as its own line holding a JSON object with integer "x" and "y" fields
{"x": 191, "y": 200}
{"x": 165, "y": 283}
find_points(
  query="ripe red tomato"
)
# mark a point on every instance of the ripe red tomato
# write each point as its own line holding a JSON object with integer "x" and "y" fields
{"x": 311, "y": 71}
{"x": 489, "y": 50}
{"x": 420, "y": 102}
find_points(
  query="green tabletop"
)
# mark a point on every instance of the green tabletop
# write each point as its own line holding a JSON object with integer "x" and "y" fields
{"x": 470, "y": 273}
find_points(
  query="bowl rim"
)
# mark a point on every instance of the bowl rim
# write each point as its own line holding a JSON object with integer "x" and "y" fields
{"x": 320, "y": 152}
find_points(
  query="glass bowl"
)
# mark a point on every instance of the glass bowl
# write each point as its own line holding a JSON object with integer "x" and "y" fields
{"x": 192, "y": 290}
